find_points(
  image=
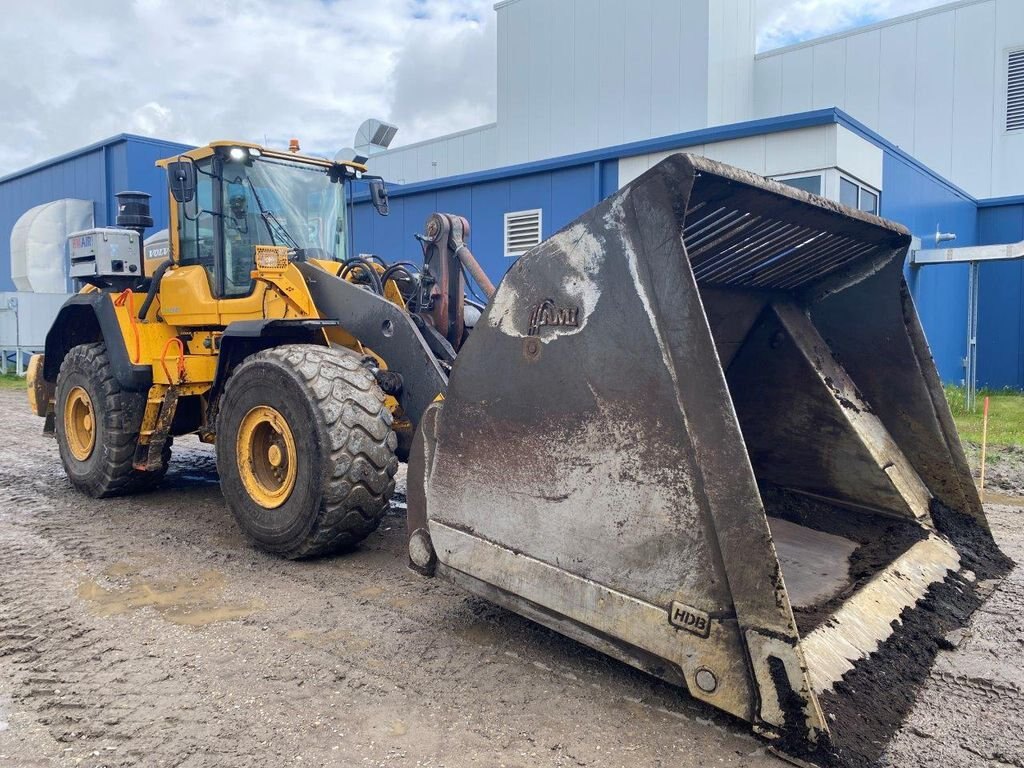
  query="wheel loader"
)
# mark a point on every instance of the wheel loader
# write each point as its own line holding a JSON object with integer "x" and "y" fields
{"x": 698, "y": 429}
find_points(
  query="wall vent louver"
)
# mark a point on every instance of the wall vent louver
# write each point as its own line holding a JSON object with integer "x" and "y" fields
{"x": 522, "y": 231}
{"x": 1015, "y": 91}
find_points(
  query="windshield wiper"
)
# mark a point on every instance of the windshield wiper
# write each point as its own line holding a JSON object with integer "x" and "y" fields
{"x": 268, "y": 216}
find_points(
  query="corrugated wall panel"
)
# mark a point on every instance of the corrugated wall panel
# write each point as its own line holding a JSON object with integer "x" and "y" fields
{"x": 768, "y": 90}
{"x": 797, "y": 81}
{"x": 828, "y": 82}
{"x": 586, "y": 89}
{"x": 486, "y": 216}
{"x": 561, "y": 78}
{"x": 863, "y": 69}
{"x": 637, "y": 107}
{"x": 897, "y": 84}
{"x": 561, "y": 194}
{"x": 973, "y": 107}
{"x": 514, "y": 124}
{"x": 611, "y": 75}
{"x": 1008, "y": 149}
{"x": 569, "y": 197}
{"x": 933, "y": 83}
{"x": 933, "y": 99}
{"x": 1001, "y": 302}
{"x": 667, "y": 112}
{"x": 920, "y": 202}
{"x": 540, "y": 92}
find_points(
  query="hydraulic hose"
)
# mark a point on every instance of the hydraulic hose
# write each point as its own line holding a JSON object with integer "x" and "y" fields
{"x": 375, "y": 282}
{"x": 154, "y": 286}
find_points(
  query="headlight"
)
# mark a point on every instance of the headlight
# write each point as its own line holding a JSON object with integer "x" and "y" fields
{"x": 271, "y": 257}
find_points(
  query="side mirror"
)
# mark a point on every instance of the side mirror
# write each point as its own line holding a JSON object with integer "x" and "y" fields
{"x": 379, "y": 196}
{"x": 181, "y": 178}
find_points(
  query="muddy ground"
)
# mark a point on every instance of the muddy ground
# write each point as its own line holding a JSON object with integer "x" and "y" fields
{"x": 146, "y": 631}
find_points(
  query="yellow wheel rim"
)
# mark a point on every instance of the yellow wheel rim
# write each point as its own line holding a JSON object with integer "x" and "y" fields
{"x": 79, "y": 424}
{"x": 267, "y": 462}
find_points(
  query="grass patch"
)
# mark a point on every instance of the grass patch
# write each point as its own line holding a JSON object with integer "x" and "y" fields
{"x": 1005, "y": 416}
{"x": 10, "y": 381}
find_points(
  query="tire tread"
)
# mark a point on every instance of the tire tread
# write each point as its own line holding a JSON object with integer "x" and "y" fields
{"x": 350, "y": 404}
{"x": 117, "y": 476}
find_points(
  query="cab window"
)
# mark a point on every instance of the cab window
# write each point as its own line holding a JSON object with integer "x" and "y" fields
{"x": 244, "y": 228}
{"x": 197, "y": 224}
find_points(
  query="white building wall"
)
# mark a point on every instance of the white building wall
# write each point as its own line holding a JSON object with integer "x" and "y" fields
{"x": 933, "y": 83}
{"x": 575, "y": 75}
{"x": 731, "y": 36}
{"x": 463, "y": 152}
{"x": 824, "y": 149}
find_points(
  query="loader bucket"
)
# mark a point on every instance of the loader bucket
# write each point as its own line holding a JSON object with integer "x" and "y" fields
{"x": 700, "y": 430}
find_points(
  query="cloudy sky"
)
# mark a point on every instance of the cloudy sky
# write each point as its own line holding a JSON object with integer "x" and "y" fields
{"x": 73, "y": 71}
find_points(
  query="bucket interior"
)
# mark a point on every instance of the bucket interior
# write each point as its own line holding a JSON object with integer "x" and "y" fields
{"x": 836, "y": 515}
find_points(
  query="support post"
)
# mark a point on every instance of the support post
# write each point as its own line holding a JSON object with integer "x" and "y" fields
{"x": 971, "y": 374}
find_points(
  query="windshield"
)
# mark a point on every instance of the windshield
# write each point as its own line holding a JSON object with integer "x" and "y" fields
{"x": 281, "y": 202}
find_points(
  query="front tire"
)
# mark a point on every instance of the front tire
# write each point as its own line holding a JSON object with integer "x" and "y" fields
{"x": 305, "y": 450}
{"x": 97, "y": 424}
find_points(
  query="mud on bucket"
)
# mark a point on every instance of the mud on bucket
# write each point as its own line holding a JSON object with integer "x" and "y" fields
{"x": 699, "y": 429}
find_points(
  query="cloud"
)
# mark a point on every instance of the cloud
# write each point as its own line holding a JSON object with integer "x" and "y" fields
{"x": 197, "y": 70}
{"x": 74, "y": 72}
{"x": 448, "y": 80}
{"x": 784, "y": 22}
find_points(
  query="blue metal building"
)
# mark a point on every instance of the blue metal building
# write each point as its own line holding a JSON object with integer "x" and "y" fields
{"x": 911, "y": 193}
{"x": 562, "y": 188}
{"x": 1001, "y": 310}
{"x": 95, "y": 173}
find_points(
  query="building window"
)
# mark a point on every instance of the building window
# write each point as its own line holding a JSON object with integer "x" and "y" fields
{"x": 854, "y": 195}
{"x": 810, "y": 184}
{"x": 1015, "y": 91}
{"x": 868, "y": 201}
{"x": 848, "y": 192}
{"x": 522, "y": 231}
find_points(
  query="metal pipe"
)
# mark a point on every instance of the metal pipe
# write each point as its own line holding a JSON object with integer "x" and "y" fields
{"x": 473, "y": 266}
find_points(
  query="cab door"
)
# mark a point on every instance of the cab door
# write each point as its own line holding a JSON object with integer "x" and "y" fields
{"x": 212, "y": 285}
{"x": 187, "y": 293}
{"x": 239, "y": 296}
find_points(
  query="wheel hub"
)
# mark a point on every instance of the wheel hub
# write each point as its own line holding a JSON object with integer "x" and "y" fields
{"x": 266, "y": 455}
{"x": 274, "y": 455}
{"x": 79, "y": 424}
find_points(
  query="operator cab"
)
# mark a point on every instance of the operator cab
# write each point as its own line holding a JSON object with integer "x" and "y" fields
{"x": 232, "y": 197}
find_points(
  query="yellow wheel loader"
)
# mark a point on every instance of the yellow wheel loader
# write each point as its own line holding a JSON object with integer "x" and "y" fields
{"x": 698, "y": 429}
{"x": 253, "y": 326}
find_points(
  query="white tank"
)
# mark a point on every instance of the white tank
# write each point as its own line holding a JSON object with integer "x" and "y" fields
{"x": 39, "y": 244}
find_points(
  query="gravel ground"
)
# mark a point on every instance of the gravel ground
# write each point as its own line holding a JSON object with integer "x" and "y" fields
{"x": 146, "y": 631}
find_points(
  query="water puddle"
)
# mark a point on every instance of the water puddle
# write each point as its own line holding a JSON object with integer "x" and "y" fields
{"x": 188, "y": 601}
{"x": 991, "y": 497}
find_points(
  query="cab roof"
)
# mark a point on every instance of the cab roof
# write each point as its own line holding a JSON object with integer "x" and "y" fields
{"x": 201, "y": 153}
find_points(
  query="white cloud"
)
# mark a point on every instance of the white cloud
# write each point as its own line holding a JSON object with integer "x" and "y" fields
{"x": 196, "y": 70}
{"x": 73, "y": 72}
{"x": 782, "y": 22}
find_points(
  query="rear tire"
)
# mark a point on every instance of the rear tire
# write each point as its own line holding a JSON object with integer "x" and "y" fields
{"x": 97, "y": 425}
{"x": 305, "y": 450}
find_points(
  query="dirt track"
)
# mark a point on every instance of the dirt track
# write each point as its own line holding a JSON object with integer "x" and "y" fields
{"x": 146, "y": 631}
